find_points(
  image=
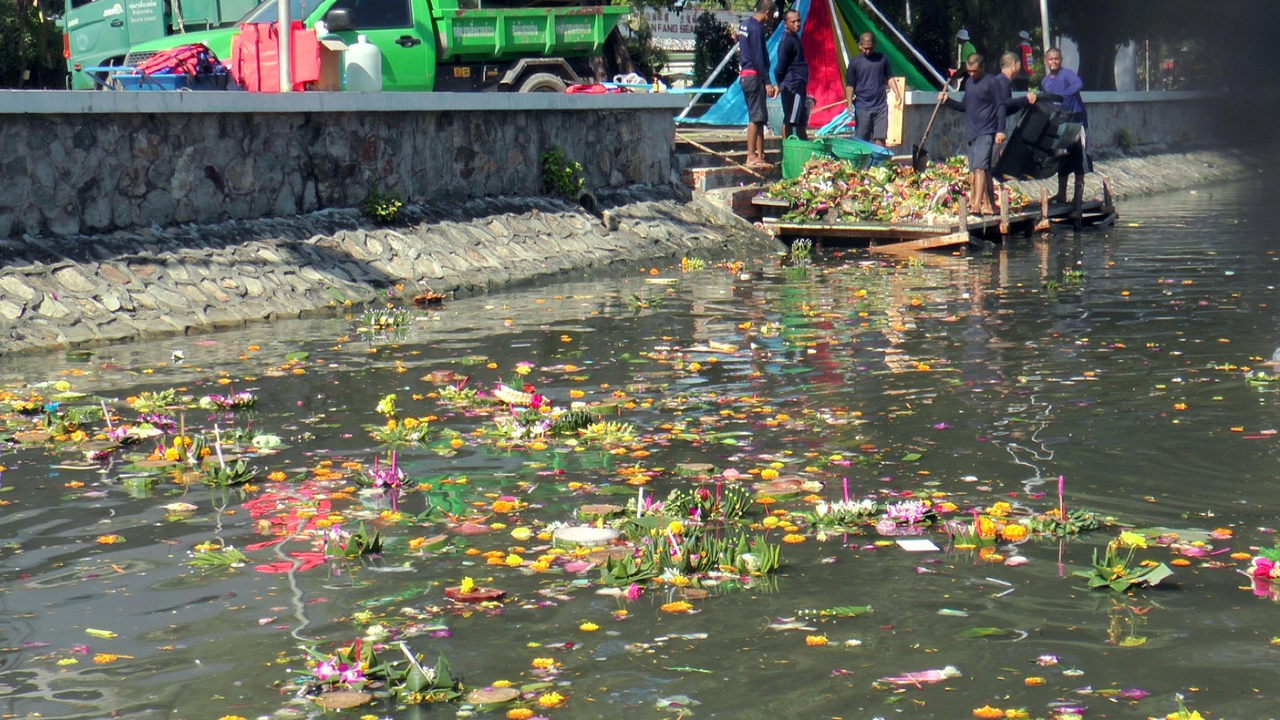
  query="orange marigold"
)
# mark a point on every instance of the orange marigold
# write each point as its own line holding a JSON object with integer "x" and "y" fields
{"x": 792, "y": 538}
{"x": 679, "y": 606}
{"x": 1014, "y": 533}
{"x": 986, "y": 711}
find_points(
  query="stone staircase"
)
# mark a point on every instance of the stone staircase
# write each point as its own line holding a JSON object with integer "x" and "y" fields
{"x": 712, "y": 165}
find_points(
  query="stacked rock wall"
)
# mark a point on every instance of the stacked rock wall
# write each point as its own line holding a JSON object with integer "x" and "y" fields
{"x": 141, "y": 161}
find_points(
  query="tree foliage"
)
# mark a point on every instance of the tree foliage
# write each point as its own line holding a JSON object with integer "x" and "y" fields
{"x": 30, "y": 47}
{"x": 712, "y": 40}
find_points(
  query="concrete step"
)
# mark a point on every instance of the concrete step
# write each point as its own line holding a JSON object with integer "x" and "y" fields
{"x": 714, "y": 178}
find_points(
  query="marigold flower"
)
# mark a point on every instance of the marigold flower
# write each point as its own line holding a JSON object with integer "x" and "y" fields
{"x": 455, "y": 444}
{"x": 232, "y": 717}
{"x": 1018, "y": 714}
{"x": 1033, "y": 681}
{"x": 503, "y": 506}
{"x": 770, "y": 522}
{"x": 986, "y": 711}
{"x": 1014, "y": 533}
{"x": 676, "y": 528}
{"x": 544, "y": 663}
{"x": 171, "y": 455}
{"x": 986, "y": 528}
{"x": 814, "y": 640}
{"x": 792, "y": 538}
{"x": 519, "y": 714}
{"x": 679, "y": 606}
{"x": 104, "y": 658}
{"x": 467, "y": 585}
{"x": 513, "y": 560}
{"x": 552, "y": 699}
{"x": 766, "y": 501}
{"x": 1180, "y": 562}
{"x": 1240, "y": 556}
{"x": 411, "y": 423}
{"x": 769, "y": 474}
{"x": 588, "y": 627}
{"x": 276, "y": 476}
{"x": 109, "y": 539}
{"x": 1000, "y": 509}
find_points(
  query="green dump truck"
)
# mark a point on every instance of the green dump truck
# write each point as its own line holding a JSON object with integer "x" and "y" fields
{"x": 425, "y": 44}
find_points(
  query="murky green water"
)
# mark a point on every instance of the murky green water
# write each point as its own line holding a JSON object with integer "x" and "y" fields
{"x": 975, "y": 379}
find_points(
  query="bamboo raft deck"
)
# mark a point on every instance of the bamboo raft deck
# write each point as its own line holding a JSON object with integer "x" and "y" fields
{"x": 910, "y": 237}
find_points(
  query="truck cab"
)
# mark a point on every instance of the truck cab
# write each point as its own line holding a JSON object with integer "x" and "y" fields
{"x": 437, "y": 45}
{"x": 99, "y": 33}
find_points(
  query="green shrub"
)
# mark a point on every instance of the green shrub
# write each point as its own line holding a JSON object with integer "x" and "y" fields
{"x": 560, "y": 175}
{"x": 382, "y": 207}
{"x": 648, "y": 60}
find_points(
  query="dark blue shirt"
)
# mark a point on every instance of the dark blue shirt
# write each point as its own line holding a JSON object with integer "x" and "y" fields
{"x": 983, "y": 107}
{"x": 1006, "y": 92}
{"x": 868, "y": 75}
{"x": 753, "y": 55}
{"x": 1067, "y": 84}
{"x": 792, "y": 70}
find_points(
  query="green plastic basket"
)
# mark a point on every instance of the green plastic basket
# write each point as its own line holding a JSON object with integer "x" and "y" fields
{"x": 859, "y": 152}
{"x": 797, "y": 152}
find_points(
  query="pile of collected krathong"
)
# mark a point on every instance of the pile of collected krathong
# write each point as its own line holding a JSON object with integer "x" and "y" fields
{"x": 834, "y": 191}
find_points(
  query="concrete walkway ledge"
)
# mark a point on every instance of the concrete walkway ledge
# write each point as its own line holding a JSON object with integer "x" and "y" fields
{"x": 73, "y": 102}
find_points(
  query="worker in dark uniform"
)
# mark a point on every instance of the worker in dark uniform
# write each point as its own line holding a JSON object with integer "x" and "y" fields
{"x": 984, "y": 120}
{"x": 754, "y": 79}
{"x": 1063, "y": 81}
{"x": 793, "y": 79}
{"x": 866, "y": 84}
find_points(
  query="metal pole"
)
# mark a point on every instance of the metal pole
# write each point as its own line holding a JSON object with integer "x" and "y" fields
{"x": 927, "y": 65}
{"x": 285, "y": 25}
{"x": 707, "y": 83}
{"x": 1044, "y": 23}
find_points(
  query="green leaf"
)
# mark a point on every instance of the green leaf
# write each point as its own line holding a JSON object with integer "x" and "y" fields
{"x": 443, "y": 677}
{"x": 911, "y": 457}
{"x": 298, "y": 356}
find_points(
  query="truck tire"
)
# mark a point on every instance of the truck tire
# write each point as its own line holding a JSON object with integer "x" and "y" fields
{"x": 542, "y": 82}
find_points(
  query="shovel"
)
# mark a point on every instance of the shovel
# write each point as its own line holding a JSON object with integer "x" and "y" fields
{"x": 920, "y": 156}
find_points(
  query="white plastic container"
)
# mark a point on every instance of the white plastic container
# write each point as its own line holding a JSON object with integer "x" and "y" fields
{"x": 363, "y": 65}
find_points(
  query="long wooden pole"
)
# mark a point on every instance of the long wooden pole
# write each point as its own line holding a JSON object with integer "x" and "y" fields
{"x": 720, "y": 155}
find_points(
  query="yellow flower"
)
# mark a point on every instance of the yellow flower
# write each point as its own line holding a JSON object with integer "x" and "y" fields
{"x": 68, "y": 661}
{"x": 679, "y": 606}
{"x": 814, "y": 640}
{"x": 986, "y": 527}
{"x": 1000, "y": 509}
{"x": 986, "y": 711}
{"x": 792, "y": 539}
{"x": 519, "y": 714}
{"x": 1014, "y": 533}
{"x": 171, "y": 455}
{"x": 552, "y": 699}
{"x": 390, "y": 516}
{"x": 544, "y": 663}
{"x": 104, "y": 658}
{"x": 770, "y": 522}
{"x": 410, "y": 423}
{"x": 769, "y": 474}
{"x": 455, "y": 444}
{"x": 232, "y": 717}
{"x": 276, "y": 476}
{"x": 513, "y": 560}
{"x": 675, "y": 528}
{"x": 588, "y": 627}
{"x": 1033, "y": 681}
{"x": 417, "y": 543}
{"x": 1018, "y": 714}
{"x": 109, "y": 539}
{"x": 467, "y": 585}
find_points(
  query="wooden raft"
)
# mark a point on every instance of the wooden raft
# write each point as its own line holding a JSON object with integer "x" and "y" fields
{"x": 899, "y": 238}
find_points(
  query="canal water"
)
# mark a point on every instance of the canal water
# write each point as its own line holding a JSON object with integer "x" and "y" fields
{"x": 1118, "y": 361}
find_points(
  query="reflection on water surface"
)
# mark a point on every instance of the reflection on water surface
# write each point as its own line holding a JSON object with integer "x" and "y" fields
{"x": 1115, "y": 361}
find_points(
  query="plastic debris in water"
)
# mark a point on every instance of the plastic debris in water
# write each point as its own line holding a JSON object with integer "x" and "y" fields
{"x": 924, "y": 676}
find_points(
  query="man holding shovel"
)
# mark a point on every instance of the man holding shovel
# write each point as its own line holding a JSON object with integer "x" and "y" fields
{"x": 984, "y": 120}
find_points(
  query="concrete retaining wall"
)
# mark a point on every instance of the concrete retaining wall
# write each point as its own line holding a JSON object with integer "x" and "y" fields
{"x": 92, "y": 162}
{"x": 1142, "y": 121}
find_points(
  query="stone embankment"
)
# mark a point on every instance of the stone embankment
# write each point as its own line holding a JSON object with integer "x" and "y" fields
{"x": 70, "y": 290}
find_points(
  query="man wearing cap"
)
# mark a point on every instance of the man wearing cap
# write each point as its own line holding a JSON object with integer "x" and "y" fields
{"x": 1027, "y": 59}
{"x": 866, "y": 82}
{"x": 964, "y": 48}
{"x": 754, "y": 79}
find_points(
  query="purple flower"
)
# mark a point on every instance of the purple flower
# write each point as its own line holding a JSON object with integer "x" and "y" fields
{"x": 885, "y": 526}
{"x": 1134, "y": 694}
{"x": 908, "y": 511}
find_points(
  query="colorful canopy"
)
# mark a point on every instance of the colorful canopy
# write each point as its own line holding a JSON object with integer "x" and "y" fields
{"x": 829, "y": 31}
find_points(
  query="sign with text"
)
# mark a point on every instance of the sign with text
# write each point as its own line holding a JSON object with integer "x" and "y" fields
{"x": 673, "y": 29}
